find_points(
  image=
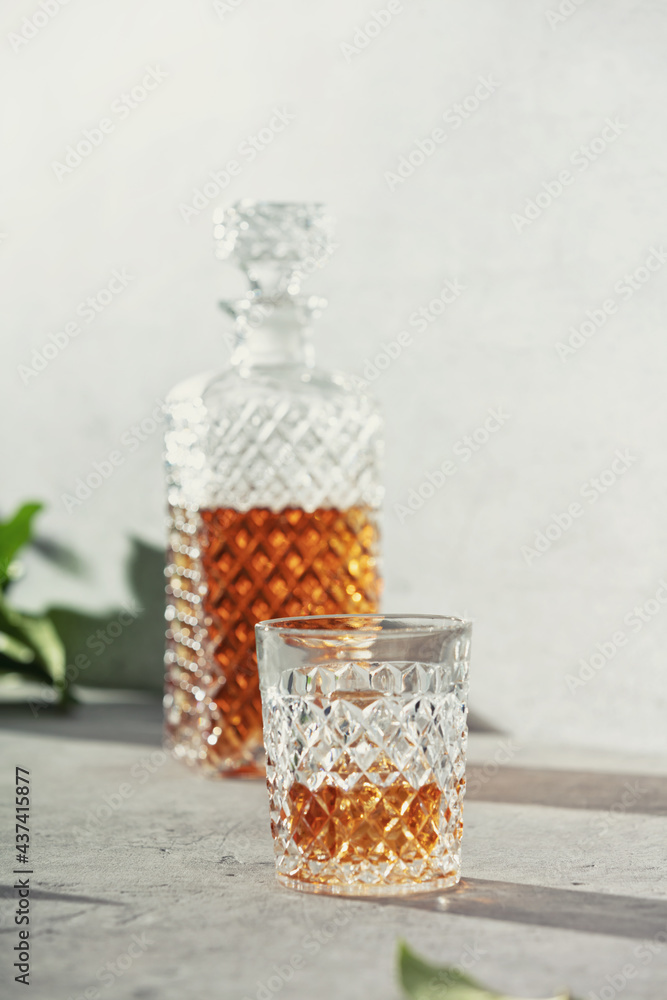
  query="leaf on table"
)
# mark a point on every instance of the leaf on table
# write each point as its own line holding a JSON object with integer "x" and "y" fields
{"x": 422, "y": 981}
{"x": 14, "y": 534}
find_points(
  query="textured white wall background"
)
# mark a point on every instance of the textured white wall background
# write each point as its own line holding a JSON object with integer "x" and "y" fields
{"x": 559, "y": 78}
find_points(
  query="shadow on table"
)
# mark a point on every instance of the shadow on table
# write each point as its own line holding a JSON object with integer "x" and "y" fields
{"x": 123, "y": 722}
{"x": 9, "y": 892}
{"x": 566, "y": 909}
{"x": 645, "y": 794}
{"x": 126, "y": 722}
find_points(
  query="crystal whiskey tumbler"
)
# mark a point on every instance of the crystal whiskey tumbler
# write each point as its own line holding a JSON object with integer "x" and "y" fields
{"x": 365, "y": 731}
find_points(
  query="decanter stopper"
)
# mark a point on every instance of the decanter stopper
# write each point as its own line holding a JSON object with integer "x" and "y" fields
{"x": 275, "y": 244}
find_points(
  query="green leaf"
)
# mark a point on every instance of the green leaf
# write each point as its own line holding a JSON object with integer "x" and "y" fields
{"x": 35, "y": 635}
{"x": 422, "y": 981}
{"x": 120, "y": 647}
{"x": 15, "y": 650}
{"x": 14, "y": 534}
{"x": 428, "y": 982}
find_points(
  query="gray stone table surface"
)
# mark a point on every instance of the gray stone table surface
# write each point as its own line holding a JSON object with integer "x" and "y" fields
{"x": 152, "y": 882}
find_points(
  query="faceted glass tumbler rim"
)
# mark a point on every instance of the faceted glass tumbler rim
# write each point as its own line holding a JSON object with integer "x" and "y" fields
{"x": 419, "y": 625}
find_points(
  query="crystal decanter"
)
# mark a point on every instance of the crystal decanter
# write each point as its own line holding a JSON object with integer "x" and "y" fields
{"x": 273, "y": 490}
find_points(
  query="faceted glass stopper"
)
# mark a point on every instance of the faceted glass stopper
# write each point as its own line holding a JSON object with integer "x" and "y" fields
{"x": 275, "y": 243}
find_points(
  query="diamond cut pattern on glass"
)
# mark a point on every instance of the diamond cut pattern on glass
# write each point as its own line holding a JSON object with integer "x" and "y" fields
{"x": 366, "y": 781}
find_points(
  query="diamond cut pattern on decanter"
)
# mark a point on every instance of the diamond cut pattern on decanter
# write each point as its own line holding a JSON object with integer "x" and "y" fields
{"x": 282, "y": 482}
{"x": 260, "y": 565}
{"x": 367, "y": 781}
{"x": 185, "y": 664}
{"x": 232, "y": 445}
{"x": 317, "y": 453}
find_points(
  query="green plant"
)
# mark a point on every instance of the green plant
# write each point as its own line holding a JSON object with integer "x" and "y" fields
{"x": 29, "y": 644}
{"x": 121, "y": 647}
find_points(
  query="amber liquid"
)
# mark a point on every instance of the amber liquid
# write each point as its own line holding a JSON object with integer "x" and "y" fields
{"x": 369, "y": 824}
{"x": 261, "y": 564}
{"x": 382, "y": 820}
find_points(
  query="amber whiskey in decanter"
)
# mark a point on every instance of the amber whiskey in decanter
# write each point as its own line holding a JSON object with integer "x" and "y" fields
{"x": 273, "y": 490}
